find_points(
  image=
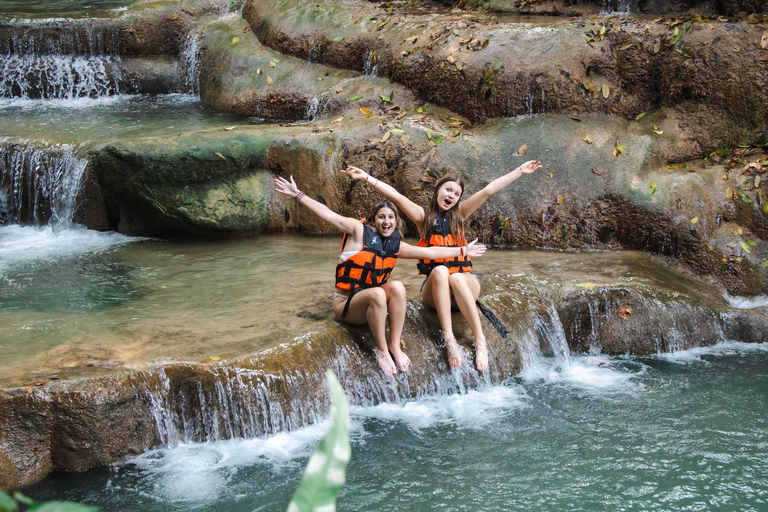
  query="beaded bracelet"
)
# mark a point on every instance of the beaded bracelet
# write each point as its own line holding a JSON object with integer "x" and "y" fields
{"x": 300, "y": 196}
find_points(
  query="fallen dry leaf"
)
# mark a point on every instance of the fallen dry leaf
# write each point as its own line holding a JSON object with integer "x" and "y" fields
{"x": 220, "y": 155}
{"x": 176, "y": 16}
{"x": 625, "y": 312}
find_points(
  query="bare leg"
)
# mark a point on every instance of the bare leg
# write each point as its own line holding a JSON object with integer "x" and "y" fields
{"x": 466, "y": 290}
{"x": 396, "y": 308}
{"x": 437, "y": 294}
{"x": 369, "y": 306}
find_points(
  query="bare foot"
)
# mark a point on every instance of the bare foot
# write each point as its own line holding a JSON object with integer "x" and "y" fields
{"x": 402, "y": 360}
{"x": 385, "y": 361}
{"x": 481, "y": 355}
{"x": 452, "y": 347}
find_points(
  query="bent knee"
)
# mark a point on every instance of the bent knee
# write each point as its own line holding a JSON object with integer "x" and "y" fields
{"x": 440, "y": 272}
{"x": 396, "y": 289}
{"x": 457, "y": 280}
{"x": 378, "y": 297}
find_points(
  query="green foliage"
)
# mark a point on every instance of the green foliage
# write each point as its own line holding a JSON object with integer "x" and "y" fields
{"x": 8, "y": 504}
{"x": 326, "y": 470}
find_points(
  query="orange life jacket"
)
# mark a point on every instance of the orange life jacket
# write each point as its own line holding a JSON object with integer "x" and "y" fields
{"x": 440, "y": 235}
{"x": 371, "y": 266}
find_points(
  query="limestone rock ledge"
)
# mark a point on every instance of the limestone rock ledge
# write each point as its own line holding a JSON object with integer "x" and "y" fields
{"x": 71, "y": 425}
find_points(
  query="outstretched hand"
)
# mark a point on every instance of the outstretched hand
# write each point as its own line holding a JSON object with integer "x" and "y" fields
{"x": 355, "y": 172}
{"x": 529, "y": 167}
{"x": 475, "y": 249}
{"x": 285, "y": 187}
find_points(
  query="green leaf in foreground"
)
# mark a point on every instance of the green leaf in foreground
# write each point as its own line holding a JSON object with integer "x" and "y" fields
{"x": 745, "y": 247}
{"x": 7, "y": 504}
{"x": 23, "y": 499}
{"x": 338, "y": 39}
{"x": 326, "y": 470}
{"x": 61, "y": 506}
{"x": 745, "y": 198}
{"x": 355, "y": 98}
{"x": 586, "y": 285}
{"x": 652, "y": 188}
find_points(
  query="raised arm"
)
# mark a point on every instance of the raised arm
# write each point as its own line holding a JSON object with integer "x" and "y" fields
{"x": 414, "y": 252}
{"x": 345, "y": 224}
{"x": 470, "y": 205}
{"x": 408, "y": 207}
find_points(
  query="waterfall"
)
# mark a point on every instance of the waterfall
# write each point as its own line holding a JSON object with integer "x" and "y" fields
{"x": 552, "y": 335}
{"x": 190, "y": 63}
{"x": 39, "y": 185}
{"x": 87, "y": 37}
{"x": 316, "y": 106}
{"x": 59, "y": 59}
{"x": 59, "y": 76}
{"x": 370, "y": 67}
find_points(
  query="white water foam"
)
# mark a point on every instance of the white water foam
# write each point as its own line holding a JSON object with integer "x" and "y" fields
{"x": 594, "y": 373}
{"x": 201, "y": 471}
{"x": 726, "y": 348}
{"x": 473, "y": 409}
{"x": 25, "y": 244}
{"x": 759, "y": 301}
{"x": 64, "y": 103}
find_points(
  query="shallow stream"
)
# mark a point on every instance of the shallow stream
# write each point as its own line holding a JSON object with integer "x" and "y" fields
{"x": 76, "y": 302}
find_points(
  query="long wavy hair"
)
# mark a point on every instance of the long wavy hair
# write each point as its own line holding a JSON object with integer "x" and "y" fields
{"x": 385, "y": 203}
{"x": 457, "y": 221}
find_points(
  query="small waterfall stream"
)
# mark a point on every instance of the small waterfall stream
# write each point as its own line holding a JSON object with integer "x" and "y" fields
{"x": 60, "y": 59}
{"x": 190, "y": 63}
{"x": 39, "y": 185}
{"x": 204, "y": 403}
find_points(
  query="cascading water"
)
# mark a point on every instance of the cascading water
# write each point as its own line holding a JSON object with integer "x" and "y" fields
{"x": 88, "y": 37}
{"x": 59, "y": 76}
{"x": 39, "y": 185}
{"x": 370, "y": 68}
{"x": 60, "y": 59}
{"x": 190, "y": 63}
{"x": 316, "y": 106}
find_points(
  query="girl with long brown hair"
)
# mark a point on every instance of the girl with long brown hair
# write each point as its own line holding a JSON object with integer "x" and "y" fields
{"x": 442, "y": 224}
{"x": 370, "y": 248}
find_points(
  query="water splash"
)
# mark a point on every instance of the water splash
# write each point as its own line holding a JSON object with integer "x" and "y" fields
{"x": 759, "y": 301}
{"x": 39, "y": 185}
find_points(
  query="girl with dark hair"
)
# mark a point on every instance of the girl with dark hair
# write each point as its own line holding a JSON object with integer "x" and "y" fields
{"x": 370, "y": 249}
{"x": 442, "y": 224}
